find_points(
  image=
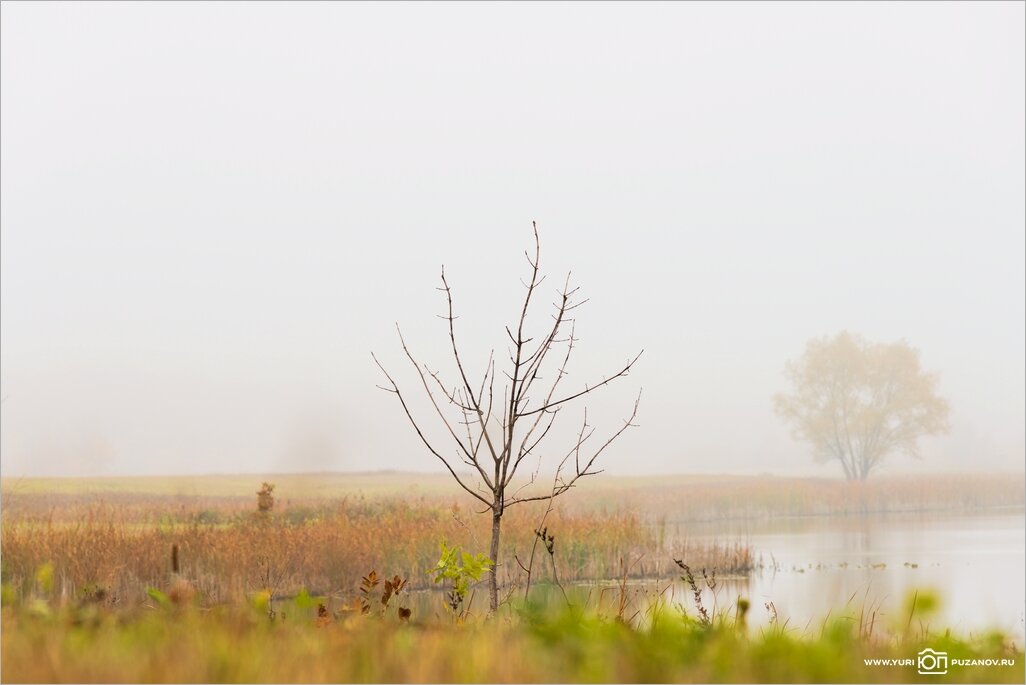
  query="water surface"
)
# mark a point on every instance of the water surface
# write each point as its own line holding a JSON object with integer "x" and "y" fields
{"x": 976, "y": 563}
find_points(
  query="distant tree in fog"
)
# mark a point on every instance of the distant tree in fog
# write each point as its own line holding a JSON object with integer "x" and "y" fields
{"x": 859, "y": 402}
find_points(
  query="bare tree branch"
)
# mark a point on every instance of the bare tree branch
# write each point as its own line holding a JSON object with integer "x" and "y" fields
{"x": 420, "y": 433}
{"x": 623, "y": 372}
{"x": 586, "y": 471}
{"x": 474, "y": 419}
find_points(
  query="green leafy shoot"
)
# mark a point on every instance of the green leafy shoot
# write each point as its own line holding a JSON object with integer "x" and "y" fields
{"x": 459, "y": 569}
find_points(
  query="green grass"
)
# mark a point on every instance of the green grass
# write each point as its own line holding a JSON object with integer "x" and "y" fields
{"x": 87, "y": 644}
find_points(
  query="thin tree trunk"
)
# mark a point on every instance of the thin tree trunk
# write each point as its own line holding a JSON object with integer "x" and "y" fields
{"x": 493, "y": 578}
{"x": 848, "y": 470}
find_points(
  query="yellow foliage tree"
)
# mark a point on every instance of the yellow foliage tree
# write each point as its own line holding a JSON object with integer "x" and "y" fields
{"x": 858, "y": 402}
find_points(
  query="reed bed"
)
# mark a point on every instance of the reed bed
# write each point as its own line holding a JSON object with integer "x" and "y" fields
{"x": 675, "y": 497}
{"x": 324, "y": 548}
{"x": 105, "y": 534}
{"x": 717, "y": 498}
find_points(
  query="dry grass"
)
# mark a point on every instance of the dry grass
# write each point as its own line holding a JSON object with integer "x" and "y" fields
{"x": 678, "y": 497}
{"x": 710, "y": 498}
{"x": 324, "y": 548}
{"x": 102, "y": 533}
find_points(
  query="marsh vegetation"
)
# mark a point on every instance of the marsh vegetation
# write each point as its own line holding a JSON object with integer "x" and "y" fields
{"x": 147, "y": 580}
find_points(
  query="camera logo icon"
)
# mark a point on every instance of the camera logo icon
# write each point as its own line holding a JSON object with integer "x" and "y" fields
{"x": 932, "y": 663}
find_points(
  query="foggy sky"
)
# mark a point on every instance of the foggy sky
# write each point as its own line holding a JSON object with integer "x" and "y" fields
{"x": 213, "y": 213}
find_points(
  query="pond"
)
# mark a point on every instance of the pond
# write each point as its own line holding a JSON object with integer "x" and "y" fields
{"x": 975, "y": 564}
{"x": 812, "y": 566}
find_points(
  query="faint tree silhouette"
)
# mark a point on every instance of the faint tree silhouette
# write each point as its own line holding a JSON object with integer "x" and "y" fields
{"x": 858, "y": 402}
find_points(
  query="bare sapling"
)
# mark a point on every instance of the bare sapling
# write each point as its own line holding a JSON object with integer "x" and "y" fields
{"x": 494, "y": 430}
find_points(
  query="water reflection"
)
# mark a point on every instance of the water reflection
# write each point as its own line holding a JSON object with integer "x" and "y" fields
{"x": 976, "y": 563}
